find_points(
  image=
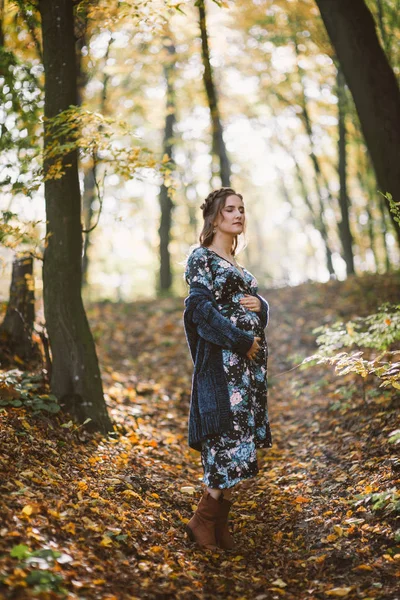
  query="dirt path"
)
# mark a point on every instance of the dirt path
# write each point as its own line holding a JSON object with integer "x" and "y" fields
{"x": 298, "y": 531}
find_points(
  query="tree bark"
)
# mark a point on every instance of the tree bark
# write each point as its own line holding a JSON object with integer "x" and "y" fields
{"x": 319, "y": 181}
{"x": 384, "y": 231}
{"x": 373, "y": 84}
{"x": 17, "y": 326}
{"x": 219, "y": 148}
{"x": 165, "y": 201}
{"x": 318, "y": 218}
{"x": 90, "y": 174}
{"x": 344, "y": 203}
{"x": 75, "y": 379}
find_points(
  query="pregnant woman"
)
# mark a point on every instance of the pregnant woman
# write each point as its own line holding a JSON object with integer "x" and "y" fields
{"x": 224, "y": 321}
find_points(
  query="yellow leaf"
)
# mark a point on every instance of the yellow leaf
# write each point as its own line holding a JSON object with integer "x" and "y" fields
{"x": 279, "y": 582}
{"x": 339, "y": 592}
{"x": 131, "y": 494}
{"x": 338, "y": 530}
{"x": 106, "y": 541}
{"x": 54, "y": 513}
{"x": 99, "y": 581}
{"x": 27, "y": 510}
{"x": 188, "y": 489}
{"x": 70, "y": 528}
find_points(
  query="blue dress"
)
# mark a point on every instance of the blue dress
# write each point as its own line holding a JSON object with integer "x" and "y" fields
{"x": 232, "y": 456}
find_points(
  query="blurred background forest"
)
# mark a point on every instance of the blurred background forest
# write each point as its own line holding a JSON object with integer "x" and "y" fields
{"x": 175, "y": 99}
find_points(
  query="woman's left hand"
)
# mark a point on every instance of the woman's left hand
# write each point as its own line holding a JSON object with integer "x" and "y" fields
{"x": 251, "y": 302}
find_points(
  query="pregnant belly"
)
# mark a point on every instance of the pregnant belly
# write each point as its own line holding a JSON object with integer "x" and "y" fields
{"x": 241, "y": 317}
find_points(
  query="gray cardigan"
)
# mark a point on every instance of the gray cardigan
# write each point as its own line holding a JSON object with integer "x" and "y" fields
{"x": 207, "y": 332}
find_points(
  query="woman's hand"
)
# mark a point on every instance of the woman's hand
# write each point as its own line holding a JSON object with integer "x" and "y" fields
{"x": 251, "y": 353}
{"x": 251, "y": 303}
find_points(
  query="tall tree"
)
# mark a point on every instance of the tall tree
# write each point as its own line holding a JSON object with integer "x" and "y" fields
{"x": 373, "y": 84}
{"x": 219, "y": 148}
{"x": 344, "y": 225}
{"x": 75, "y": 377}
{"x": 166, "y": 204}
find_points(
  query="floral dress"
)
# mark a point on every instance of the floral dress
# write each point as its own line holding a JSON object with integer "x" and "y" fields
{"x": 232, "y": 456}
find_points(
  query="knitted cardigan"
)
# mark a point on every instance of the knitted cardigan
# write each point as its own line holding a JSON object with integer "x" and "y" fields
{"x": 207, "y": 332}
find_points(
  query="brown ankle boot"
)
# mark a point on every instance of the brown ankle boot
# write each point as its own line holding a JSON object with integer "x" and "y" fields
{"x": 222, "y": 535}
{"x": 201, "y": 527}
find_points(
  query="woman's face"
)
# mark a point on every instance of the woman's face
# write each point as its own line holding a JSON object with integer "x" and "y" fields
{"x": 233, "y": 217}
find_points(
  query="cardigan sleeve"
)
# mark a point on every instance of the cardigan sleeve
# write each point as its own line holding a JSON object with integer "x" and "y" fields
{"x": 264, "y": 313}
{"x": 211, "y": 325}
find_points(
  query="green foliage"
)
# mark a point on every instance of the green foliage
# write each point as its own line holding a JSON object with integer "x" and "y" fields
{"x": 388, "y": 501}
{"x": 20, "y": 98}
{"x": 41, "y": 579}
{"x": 393, "y": 206}
{"x": 15, "y": 233}
{"x": 379, "y": 331}
{"x": 20, "y": 389}
{"x": 102, "y": 139}
{"x": 394, "y": 437}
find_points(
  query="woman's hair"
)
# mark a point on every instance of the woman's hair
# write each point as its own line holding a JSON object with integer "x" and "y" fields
{"x": 213, "y": 204}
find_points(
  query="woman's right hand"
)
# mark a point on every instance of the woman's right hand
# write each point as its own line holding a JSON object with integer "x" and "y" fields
{"x": 251, "y": 353}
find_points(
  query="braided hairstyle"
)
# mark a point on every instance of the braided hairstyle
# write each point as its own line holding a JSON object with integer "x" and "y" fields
{"x": 213, "y": 204}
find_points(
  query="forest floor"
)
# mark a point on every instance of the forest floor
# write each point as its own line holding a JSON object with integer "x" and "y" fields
{"x": 90, "y": 517}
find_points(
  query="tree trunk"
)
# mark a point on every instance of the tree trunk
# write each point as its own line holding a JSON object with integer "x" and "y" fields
{"x": 373, "y": 85}
{"x": 16, "y": 329}
{"x": 318, "y": 219}
{"x": 344, "y": 225}
{"x": 90, "y": 175}
{"x": 384, "y": 231}
{"x": 219, "y": 148}
{"x": 75, "y": 376}
{"x": 319, "y": 179}
{"x": 166, "y": 204}
{"x": 89, "y": 196}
